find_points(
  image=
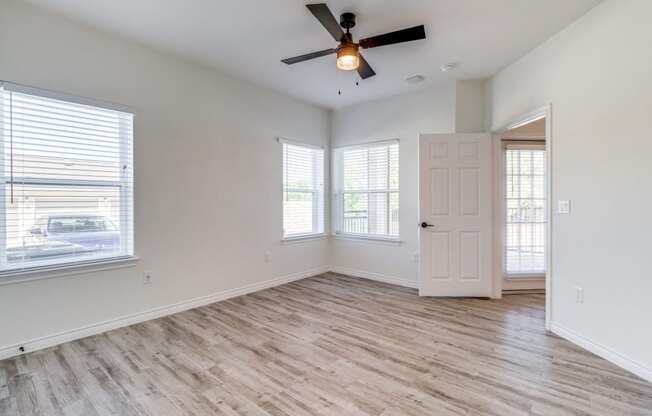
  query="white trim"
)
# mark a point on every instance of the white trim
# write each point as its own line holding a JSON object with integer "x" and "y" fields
{"x": 498, "y": 173}
{"x": 3, "y": 218}
{"x": 519, "y": 277}
{"x": 525, "y": 284}
{"x": 378, "y": 277}
{"x": 524, "y": 146}
{"x": 549, "y": 199}
{"x": 56, "y": 95}
{"x": 100, "y": 327}
{"x": 368, "y": 144}
{"x": 283, "y": 140}
{"x": 292, "y": 239}
{"x": 527, "y": 118}
{"x": 370, "y": 238}
{"x": 65, "y": 269}
{"x": 24, "y": 180}
{"x": 603, "y": 351}
{"x": 511, "y": 135}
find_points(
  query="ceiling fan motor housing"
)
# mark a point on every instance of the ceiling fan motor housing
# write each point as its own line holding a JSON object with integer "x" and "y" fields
{"x": 347, "y": 20}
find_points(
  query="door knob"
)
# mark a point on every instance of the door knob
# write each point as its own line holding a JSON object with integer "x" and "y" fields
{"x": 426, "y": 225}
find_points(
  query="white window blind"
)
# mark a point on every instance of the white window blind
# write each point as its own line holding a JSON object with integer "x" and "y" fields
{"x": 303, "y": 190}
{"x": 67, "y": 181}
{"x": 525, "y": 193}
{"x": 367, "y": 183}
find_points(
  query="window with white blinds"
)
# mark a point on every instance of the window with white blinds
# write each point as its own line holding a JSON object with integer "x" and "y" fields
{"x": 367, "y": 189}
{"x": 303, "y": 190}
{"x": 67, "y": 181}
{"x": 525, "y": 202}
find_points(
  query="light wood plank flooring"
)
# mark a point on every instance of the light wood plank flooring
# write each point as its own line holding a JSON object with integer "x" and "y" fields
{"x": 329, "y": 345}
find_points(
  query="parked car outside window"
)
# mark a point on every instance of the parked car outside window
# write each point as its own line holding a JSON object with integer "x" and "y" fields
{"x": 63, "y": 235}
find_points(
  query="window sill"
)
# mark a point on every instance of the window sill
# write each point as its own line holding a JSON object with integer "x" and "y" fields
{"x": 48, "y": 272}
{"x": 525, "y": 276}
{"x": 369, "y": 238}
{"x": 303, "y": 238}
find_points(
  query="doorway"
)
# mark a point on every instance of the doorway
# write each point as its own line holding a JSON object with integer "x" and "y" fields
{"x": 522, "y": 207}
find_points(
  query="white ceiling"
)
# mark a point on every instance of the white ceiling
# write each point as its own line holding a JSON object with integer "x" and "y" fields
{"x": 247, "y": 38}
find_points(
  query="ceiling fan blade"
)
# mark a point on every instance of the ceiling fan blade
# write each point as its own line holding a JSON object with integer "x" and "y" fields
{"x": 364, "y": 70}
{"x": 405, "y": 35}
{"x": 326, "y": 18}
{"x": 308, "y": 56}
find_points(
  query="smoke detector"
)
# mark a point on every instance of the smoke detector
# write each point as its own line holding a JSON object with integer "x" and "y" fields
{"x": 415, "y": 79}
{"x": 451, "y": 66}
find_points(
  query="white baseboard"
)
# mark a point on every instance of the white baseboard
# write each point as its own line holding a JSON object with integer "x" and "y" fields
{"x": 94, "y": 329}
{"x": 602, "y": 351}
{"x": 375, "y": 276}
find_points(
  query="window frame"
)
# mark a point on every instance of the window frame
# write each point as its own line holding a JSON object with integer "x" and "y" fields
{"x": 339, "y": 192}
{"x": 125, "y": 184}
{"x": 523, "y": 145}
{"x": 317, "y": 192}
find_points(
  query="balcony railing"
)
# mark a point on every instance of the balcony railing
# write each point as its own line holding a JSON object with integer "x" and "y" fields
{"x": 357, "y": 222}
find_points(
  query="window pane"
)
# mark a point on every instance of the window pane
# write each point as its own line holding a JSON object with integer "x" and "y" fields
{"x": 370, "y": 185}
{"x": 52, "y": 139}
{"x": 297, "y": 212}
{"x": 378, "y": 168}
{"x": 356, "y": 213}
{"x": 299, "y": 171}
{"x": 525, "y": 215}
{"x": 60, "y": 223}
{"x": 378, "y": 222}
{"x": 303, "y": 190}
{"x": 356, "y": 173}
{"x": 393, "y": 214}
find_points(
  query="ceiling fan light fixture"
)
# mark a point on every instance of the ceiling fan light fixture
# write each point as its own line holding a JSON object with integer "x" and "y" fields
{"x": 348, "y": 58}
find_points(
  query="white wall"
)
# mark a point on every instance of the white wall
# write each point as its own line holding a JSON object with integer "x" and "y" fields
{"x": 208, "y": 175}
{"x": 470, "y": 106}
{"x": 403, "y": 117}
{"x": 597, "y": 75}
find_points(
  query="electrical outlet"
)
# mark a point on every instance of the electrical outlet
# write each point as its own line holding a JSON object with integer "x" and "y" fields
{"x": 579, "y": 294}
{"x": 268, "y": 257}
{"x": 147, "y": 278}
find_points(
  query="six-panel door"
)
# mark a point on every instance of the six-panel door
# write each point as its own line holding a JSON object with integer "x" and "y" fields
{"x": 455, "y": 196}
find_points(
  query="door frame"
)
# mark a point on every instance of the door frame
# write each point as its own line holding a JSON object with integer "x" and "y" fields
{"x": 543, "y": 111}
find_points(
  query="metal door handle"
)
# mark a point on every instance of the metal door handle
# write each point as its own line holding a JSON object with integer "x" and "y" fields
{"x": 426, "y": 225}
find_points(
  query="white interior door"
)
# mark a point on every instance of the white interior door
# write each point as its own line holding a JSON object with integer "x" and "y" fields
{"x": 455, "y": 205}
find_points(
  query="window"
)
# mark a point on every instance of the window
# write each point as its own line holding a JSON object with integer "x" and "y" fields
{"x": 66, "y": 193}
{"x": 525, "y": 194}
{"x": 303, "y": 190}
{"x": 367, "y": 189}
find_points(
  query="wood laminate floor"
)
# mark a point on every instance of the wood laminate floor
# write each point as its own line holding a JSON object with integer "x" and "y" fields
{"x": 328, "y": 345}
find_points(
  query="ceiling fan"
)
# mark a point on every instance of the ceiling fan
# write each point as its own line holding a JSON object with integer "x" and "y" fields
{"x": 348, "y": 55}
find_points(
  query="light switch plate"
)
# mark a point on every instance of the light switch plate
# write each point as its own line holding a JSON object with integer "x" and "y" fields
{"x": 563, "y": 207}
